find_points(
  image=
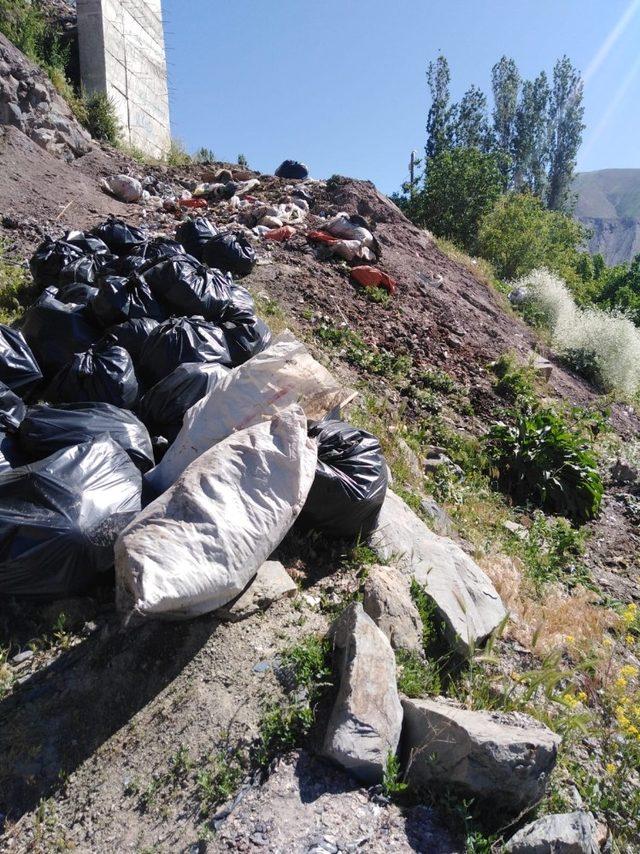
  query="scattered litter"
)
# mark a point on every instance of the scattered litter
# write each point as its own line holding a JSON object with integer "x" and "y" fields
{"x": 123, "y": 187}
{"x": 371, "y": 277}
{"x": 218, "y": 523}
{"x": 194, "y": 234}
{"x": 350, "y": 482}
{"x": 280, "y": 235}
{"x": 292, "y": 169}
{"x": 231, "y": 253}
{"x": 59, "y": 518}
{"x": 192, "y": 203}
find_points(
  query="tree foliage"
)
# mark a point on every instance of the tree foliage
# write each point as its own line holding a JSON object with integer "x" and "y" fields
{"x": 565, "y": 132}
{"x": 439, "y": 129}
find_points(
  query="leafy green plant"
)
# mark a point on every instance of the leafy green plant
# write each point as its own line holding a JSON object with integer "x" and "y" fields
{"x": 15, "y": 289}
{"x": 392, "y": 784}
{"x": 359, "y": 353}
{"x": 242, "y": 161}
{"x": 416, "y": 677}
{"x": 177, "y": 154}
{"x": 514, "y": 382}
{"x": 282, "y": 727}
{"x": 101, "y": 118}
{"x": 218, "y": 780}
{"x": 552, "y": 551}
{"x": 538, "y": 460}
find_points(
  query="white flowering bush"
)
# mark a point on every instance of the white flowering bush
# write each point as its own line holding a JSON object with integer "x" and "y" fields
{"x": 607, "y": 340}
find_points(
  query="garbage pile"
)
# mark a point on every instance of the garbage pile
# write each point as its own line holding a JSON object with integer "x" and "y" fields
{"x": 148, "y": 420}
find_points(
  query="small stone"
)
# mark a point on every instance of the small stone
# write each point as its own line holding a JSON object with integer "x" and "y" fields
{"x": 565, "y": 833}
{"x": 21, "y": 657}
{"x": 271, "y": 582}
{"x": 543, "y": 367}
{"x": 439, "y": 520}
{"x": 622, "y": 472}
{"x": 262, "y": 667}
{"x": 516, "y": 529}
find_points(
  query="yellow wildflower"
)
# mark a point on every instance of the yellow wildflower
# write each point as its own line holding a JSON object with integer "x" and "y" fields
{"x": 610, "y": 768}
{"x": 628, "y": 671}
{"x": 621, "y": 682}
{"x": 629, "y": 640}
{"x": 629, "y": 614}
{"x": 570, "y": 639}
{"x": 607, "y": 641}
{"x": 581, "y": 696}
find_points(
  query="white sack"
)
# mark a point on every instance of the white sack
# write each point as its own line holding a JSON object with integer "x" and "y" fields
{"x": 340, "y": 226}
{"x": 123, "y": 187}
{"x": 283, "y": 374}
{"x": 197, "y": 546}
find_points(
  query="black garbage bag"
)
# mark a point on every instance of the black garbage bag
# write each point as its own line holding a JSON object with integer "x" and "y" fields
{"x": 78, "y": 294}
{"x": 119, "y": 236}
{"x": 292, "y": 169}
{"x": 231, "y": 253}
{"x": 120, "y": 265}
{"x": 12, "y": 409}
{"x": 350, "y": 482}
{"x": 50, "y": 259}
{"x": 104, "y": 373}
{"x": 245, "y": 340}
{"x": 131, "y": 335}
{"x": 56, "y": 331}
{"x": 188, "y": 288}
{"x": 83, "y": 270}
{"x": 157, "y": 249}
{"x": 119, "y": 300}
{"x": 194, "y": 234}
{"x": 18, "y": 367}
{"x": 241, "y": 308}
{"x": 163, "y": 407}
{"x": 47, "y": 429}
{"x": 60, "y": 517}
{"x": 178, "y": 340}
{"x": 87, "y": 243}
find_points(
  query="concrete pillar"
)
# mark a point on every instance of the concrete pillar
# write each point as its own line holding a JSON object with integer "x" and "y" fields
{"x": 122, "y": 53}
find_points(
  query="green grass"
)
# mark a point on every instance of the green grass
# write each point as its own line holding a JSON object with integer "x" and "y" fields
{"x": 416, "y": 677}
{"x": 365, "y": 356}
{"x": 15, "y": 288}
{"x": 514, "y": 382}
{"x": 218, "y": 780}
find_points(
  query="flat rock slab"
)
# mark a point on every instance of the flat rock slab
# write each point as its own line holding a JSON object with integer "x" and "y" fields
{"x": 388, "y": 602}
{"x": 366, "y": 720}
{"x": 560, "y": 833}
{"x": 308, "y": 806}
{"x": 271, "y": 582}
{"x": 467, "y": 600}
{"x": 503, "y": 758}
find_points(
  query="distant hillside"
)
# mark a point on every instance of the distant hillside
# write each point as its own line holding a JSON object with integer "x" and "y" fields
{"x": 609, "y": 204}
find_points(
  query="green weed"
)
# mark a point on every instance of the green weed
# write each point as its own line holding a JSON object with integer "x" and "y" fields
{"x": 416, "y": 677}
{"x": 392, "y": 784}
{"x": 218, "y": 780}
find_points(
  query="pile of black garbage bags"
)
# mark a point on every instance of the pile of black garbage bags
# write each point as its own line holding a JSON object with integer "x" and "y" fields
{"x": 126, "y": 335}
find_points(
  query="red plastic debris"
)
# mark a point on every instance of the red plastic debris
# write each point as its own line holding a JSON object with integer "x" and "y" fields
{"x": 192, "y": 203}
{"x": 280, "y": 234}
{"x": 371, "y": 277}
{"x": 322, "y": 237}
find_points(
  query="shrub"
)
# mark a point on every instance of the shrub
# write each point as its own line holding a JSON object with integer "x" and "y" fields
{"x": 204, "y": 155}
{"x": 539, "y": 460}
{"x": 605, "y": 345}
{"x": 15, "y": 289}
{"x": 514, "y": 382}
{"x": 520, "y": 234}
{"x": 177, "y": 154}
{"x": 101, "y": 119}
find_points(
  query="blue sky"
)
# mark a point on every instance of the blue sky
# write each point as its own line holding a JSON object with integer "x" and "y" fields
{"x": 341, "y": 84}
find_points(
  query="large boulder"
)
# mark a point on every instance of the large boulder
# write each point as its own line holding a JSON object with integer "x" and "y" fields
{"x": 465, "y": 597}
{"x": 29, "y": 101}
{"x": 366, "y": 720}
{"x": 504, "y": 759}
{"x": 565, "y": 833}
{"x": 388, "y": 602}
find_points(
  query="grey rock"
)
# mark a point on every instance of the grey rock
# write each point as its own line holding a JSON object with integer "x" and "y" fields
{"x": 271, "y": 582}
{"x": 21, "y": 657}
{"x": 465, "y": 597}
{"x": 503, "y": 758}
{"x": 566, "y": 833}
{"x": 409, "y": 457}
{"x": 543, "y": 367}
{"x": 622, "y": 472}
{"x": 388, "y": 602}
{"x": 366, "y": 720}
{"x": 439, "y": 520}
{"x": 516, "y": 529}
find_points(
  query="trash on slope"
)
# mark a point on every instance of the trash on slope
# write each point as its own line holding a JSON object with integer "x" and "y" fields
{"x": 292, "y": 169}
{"x": 47, "y": 429}
{"x": 347, "y": 237}
{"x": 50, "y": 258}
{"x": 78, "y": 294}
{"x": 131, "y": 335}
{"x": 12, "y": 408}
{"x": 119, "y": 236}
{"x": 18, "y": 366}
{"x": 123, "y": 187}
{"x": 371, "y": 277}
{"x": 246, "y": 339}
{"x": 157, "y": 249}
{"x": 104, "y": 374}
{"x": 194, "y": 234}
{"x": 280, "y": 235}
{"x": 188, "y": 288}
{"x": 283, "y": 374}
{"x": 59, "y": 518}
{"x": 219, "y": 522}
{"x": 119, "y": 299}
{"x": 231, "y": 253}
{"x": 350, "y": 483}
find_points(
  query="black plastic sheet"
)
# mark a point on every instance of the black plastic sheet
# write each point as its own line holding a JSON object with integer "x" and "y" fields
{"x": 350, "y": 482}
{"x": 50, "y": 259}
{"x": 78, "y": 294}
{"x": 178, "y": 340}
{"x": 188, "y": 288}
{"x": 231, "y": 253}
{"x": 120, "y": 237}
{"x": 55, "y": 332}
{"x": 87, "y": 243}
{"x": 292, "y": 169}
{"x": 12, "y": 408}
{"x": 156, "y": 249}
{"x": 119, "y": 299}
{"x": 60, "y": 517}
{"x": 18, "y": 366}
{"x": 104, "y": 373}
{"x": 47, "y": 429}
{"x": 194, "y": 234}
{"x": 245, "y": 340}
{"x": 163, "y": 407}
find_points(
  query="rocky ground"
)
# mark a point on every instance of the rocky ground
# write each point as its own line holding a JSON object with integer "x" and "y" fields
{"x": 112, "y": 740}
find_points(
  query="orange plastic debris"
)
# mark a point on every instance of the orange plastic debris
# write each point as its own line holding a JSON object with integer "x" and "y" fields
{"x": 280, "y": 234}
{"x": 192, "y": 203}
{"x": 322, "y": 237}
{"x": 371, "y": 277}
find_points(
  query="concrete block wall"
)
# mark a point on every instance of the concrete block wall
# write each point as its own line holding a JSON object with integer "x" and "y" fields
{"x": 122, "y": 53}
